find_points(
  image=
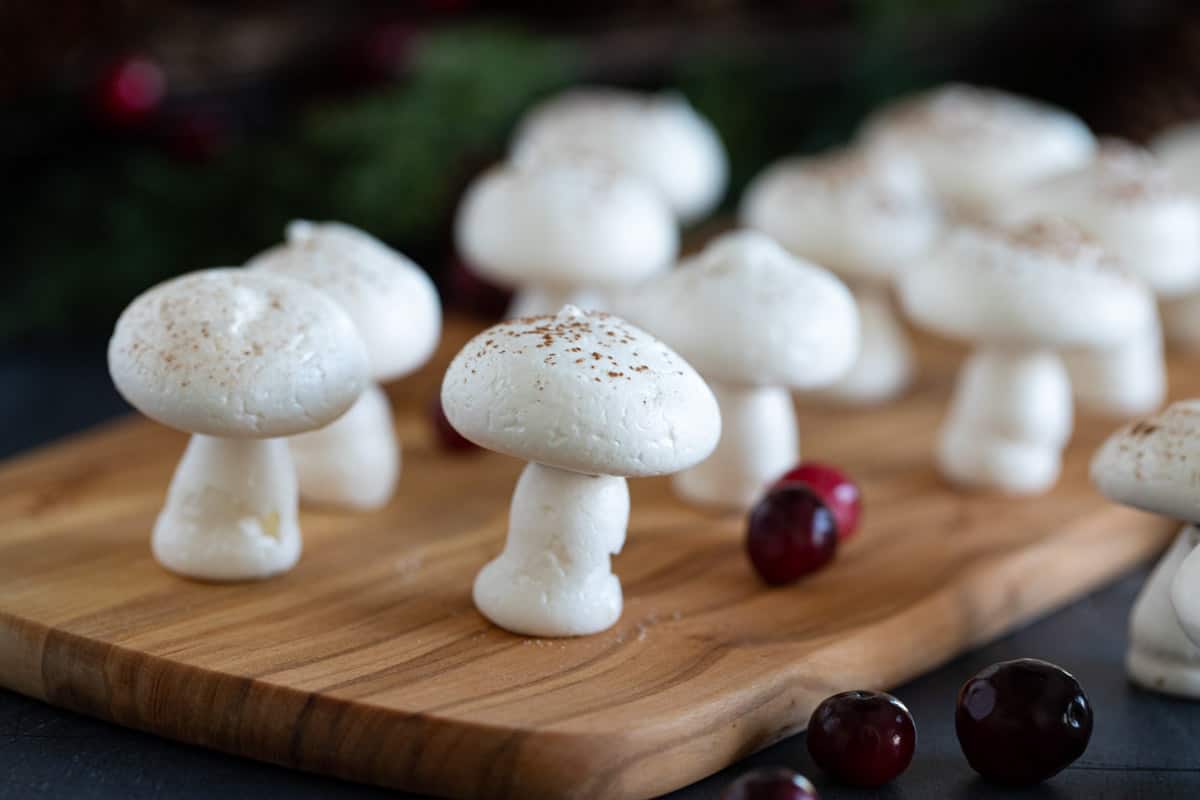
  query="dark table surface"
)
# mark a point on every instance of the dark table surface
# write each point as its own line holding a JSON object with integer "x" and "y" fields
{"x": 1144, "y": 745}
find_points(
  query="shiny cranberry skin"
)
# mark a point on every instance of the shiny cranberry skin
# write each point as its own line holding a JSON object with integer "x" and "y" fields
{"x": 838, "y": 492}
{"x": 770, "y": 784}
{"x": 862, "y": 738}
{"x": 131, "y": 90}
{"x": 449, "y": 438}
{"x": 791, "y": 533}
{"x": 1021, "y": 722}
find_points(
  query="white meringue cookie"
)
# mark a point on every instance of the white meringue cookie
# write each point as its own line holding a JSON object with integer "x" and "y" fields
{"x": 235, "y": 357}
{"x": 591, "y": 400}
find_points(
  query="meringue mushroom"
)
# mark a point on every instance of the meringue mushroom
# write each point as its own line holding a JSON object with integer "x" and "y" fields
{"x": 1017, "y": 296}
{"x": 355, "y": 461}
{"x": 981, "y": 146}
{"x": 589, "y": 400}
{"x": 866, "y": 215}
{"x": 756, "y": 322}
{"x": 659, "y": 138}
{"x": 1150, "y": 465}
{"x": 563, "y": 230}
{"x": 1126, "y": 201}
{"x": 237, "y": 359}
{"x": 1178, "y": 150}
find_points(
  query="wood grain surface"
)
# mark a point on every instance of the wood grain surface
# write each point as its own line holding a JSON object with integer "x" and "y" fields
{"x": 369, "y": 662}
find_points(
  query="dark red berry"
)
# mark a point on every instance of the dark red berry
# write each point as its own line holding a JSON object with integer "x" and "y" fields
{"x": 1021, "y": 722}
{"x": 448, "y": 437}
{"x": 791, "y": 533}
{"x": 470, "y": 293}
{"x": 770, "y": 784}
{"x": 198, "y": 136}
{"x": 131, "y": 90}
{"x": 837, "y": 491}
{"x": 862, "y": 738}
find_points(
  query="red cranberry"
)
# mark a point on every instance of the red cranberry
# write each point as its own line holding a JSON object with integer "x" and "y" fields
{"x": 770, "y": 784}
{"x": 197, "y": 137}
{"x": 448, "y": 437}
{"x": 131, "y": 90}
{"x": 379, "y": 52}
{"x": 791, "y": 534}
{"x": 837, "y": 491}
{"x": 862, "y": 738}
{"x": 1021, "y": 722}
{"x": 470, "y": 293}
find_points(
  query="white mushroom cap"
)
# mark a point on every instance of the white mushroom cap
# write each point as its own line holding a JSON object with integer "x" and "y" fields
{"x": 226, "y": 352}
{"x": 1129, "y": 203}
{"x": 977, "y": 144}
{"x": 564, "y": 223}
{"x": 1043, "y": 285}
{"x": 585, "y": 392}
{"x": 1154, "y": 464}
{"x": 863, "y": 214}
{"x": 391, "y": 300}
{"x": 745, "y": 311}
{"x": 1178, "y": 150}
{"x": 660, "y": 138}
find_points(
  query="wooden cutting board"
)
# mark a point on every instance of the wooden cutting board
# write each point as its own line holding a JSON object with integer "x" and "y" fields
{"x": 369, "y": 662}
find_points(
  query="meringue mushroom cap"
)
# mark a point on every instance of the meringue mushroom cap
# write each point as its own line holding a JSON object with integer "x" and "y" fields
{"x": 392, "y": 301}
{"x": 564, "y": 222}
{"x": 1043, "y": 285}
{"x": 976, "y": 143}
{"x": 1129, "y": 202}
{"x": 1154, "y": 464}
{"x": 658, "y": 137}
{"x": 231, "y": 353}
{"x": 745, "y": 311}
{"x": 863, "y": 214}
{"x": 585, "y": 392}
{"x": 1178, "y": 150}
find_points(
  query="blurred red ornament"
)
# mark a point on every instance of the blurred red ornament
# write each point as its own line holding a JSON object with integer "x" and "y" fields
{"x": 449, "y": 438}
{"x": 468, "y": 292}
{"x": 131, "y": 91}
{"x": 197, "y": 136}
{"x": 380, "y": 53}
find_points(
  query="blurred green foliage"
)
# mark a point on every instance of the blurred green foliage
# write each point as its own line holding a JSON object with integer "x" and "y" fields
{"x": 91, "y": 235}
{"x": 96, "y": 231}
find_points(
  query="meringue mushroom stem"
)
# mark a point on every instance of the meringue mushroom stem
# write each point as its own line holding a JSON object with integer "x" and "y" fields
{"x": 1008, "y": 422}
{"x": 1185, "y": 589}
{"x": 231, "y": 512}
{"x": 759, "y": 443}
{"x": 883, "y": 368}
{"x": 531, "y": 301}
{"x": 1161, "y": 657}
{"x": 1123, "y": 381}
{"x": 554, "y": 577}
{"x": 355, "y": 460}
{"x": 1181, "y": 320}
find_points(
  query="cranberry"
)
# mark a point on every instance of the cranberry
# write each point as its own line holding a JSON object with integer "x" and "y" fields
{"x": 770, "y": 784}
{"x": 791, "y": 534}
{"x": 448, "y": 437}
{"x": 472, "y": 294}
{"x": 197, "y": 136}
{"x": 1023, "y": 721}
{"x": 131, "y": 90}
{"x": 862, "y": 738}
{"x": 837, "y": 491}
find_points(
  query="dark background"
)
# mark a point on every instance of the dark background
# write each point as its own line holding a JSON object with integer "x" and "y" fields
{"x": 378, "y": 114}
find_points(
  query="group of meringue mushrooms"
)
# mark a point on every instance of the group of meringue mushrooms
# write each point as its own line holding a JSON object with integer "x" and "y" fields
{"x": 994, "y": 220}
